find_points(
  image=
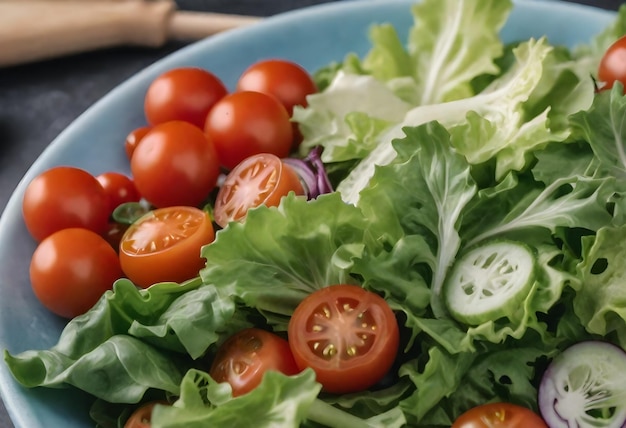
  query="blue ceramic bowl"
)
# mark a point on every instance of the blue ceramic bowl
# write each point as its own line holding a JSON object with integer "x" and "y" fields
{"x": 312, "y": 37}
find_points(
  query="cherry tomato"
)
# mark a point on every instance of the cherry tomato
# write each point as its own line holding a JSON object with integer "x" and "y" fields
{"x": 347, "y": 334}
{"x": 175, "y": 164}
{"x": 64, "y": 197}
{"x": 164, "y": 245}
{"x": 261, "y": 179}
{"x": 186, "y": 93}
{"x": 71, "y": 269}
{"x": 142, "y": 417}
{"x": 499, "y": 415}
{"x": 119, "y": 189}
{"x": 285, "y": 80}
{"x": 245, "y": 357}
{"x": 133, "y": 139}
{"x": 613, "y": 64}
{"x": 246, "y": 123}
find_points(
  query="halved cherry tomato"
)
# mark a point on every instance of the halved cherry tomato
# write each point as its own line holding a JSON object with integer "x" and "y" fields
{"x": 133, "y": 139}
{"x": 245, "y": 357}
{"x": 261, "y": 179}
{"x": 142, "y": 417}
{"x": 119, "y": 188}
{"x": 499, "y": 415}
{"x": 64, "y": 197}
{"x": 164, "y": 245}
{"x": 286, "y": 80}
{"x": 185, "y": 93}
{"x": 347, "y": 334}
{"x": 71, "y": 269}
{"x": 613, "y": 65}
{"x": 175, "y": 164}
{"x": 246, "y": 123}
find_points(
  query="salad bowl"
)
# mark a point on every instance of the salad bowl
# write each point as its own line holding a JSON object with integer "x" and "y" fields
{"x": 316, "y": 36}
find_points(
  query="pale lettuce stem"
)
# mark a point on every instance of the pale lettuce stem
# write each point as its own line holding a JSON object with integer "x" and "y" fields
{"x": 332, "y": 417}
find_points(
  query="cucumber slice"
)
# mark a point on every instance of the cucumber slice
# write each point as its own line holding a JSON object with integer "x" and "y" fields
{"x": 489, "y": 282}
{"x": 585, "y": 387}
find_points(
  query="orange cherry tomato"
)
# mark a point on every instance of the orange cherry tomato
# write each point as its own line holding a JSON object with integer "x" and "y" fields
{"x": 133, "y": 139}
{"x": 142, "y": 417}
{"x": 185, "y": 93}
{"x": 245, "y": 357}
{"x": 64, "y": 197}
{"x": 499, "y": 415}
{"x": 348, "y": 335}
{"x": 71, "y": 269}
{"x": 261, "y": 179}
{"x": 164, "y": 245}
{"x": 613, "y": 65}
{"x": 119, "y": 189}
{"x": 246, "y": 123}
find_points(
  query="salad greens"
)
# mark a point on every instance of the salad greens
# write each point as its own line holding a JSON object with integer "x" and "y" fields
{"x": 460, "y": 142}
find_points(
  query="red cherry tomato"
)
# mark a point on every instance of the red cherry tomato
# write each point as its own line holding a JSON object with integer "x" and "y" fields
{"x": 285, "y": 80}
{"x": 499, "y": 415}
{"x": 613, "y": 64}
{"x": 164, "y": 245}
{"x": 246, "y": 123}
{"x": 245, "y": 357}
{"x": 142, "y": 417}
{"x": 119, "y": 189}
{"x": 347, "y": 334}
{"x": 186, "y": 93}
{"x": 133, "y": 139}
{"x": 64, "y": 197}
{"x": 175, "y": 164}
{"x": 71, "y": 269}
{"x": 261, "y": 179}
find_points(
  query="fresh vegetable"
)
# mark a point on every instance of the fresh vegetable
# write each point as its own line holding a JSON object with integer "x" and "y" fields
{"x": 71, "y": 269}
{"x": 142, "y": 417}
{"x": 245, "y": 357}
{"x": 119, "y": 188}
{"x": 499, "y": 415}
{"x": 464, "y": 146}
{"x": 583, "y": 387}
{"x": 490, "y": 282}
{"x": 247, "y": 123}
{"x": 133, "y": 138}
{"x": 63, "y": 197}
{"x": 349, "y": 336}
{"x": 175, "y": 164}
{"x": 312, "y": 172}
{"x": 613, "y": 65}
{"x": 185, "y": 93}
{"x": 164, "y": 245}
{"x": 261, "y": 179}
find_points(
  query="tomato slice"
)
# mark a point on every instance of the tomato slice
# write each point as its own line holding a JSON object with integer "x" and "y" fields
{"x": 499, "y": 415}
{"x": 261, "y": 179}
{"x": 347, "y": 334}
{"x": 245, "y": 357}
{"x": 165, "y": 244}
{"x": 142, "y": 417}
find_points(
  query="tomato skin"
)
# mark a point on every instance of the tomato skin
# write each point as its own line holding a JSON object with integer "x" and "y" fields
{"x": 245, "y": 357}
{"x": 175, "y": 164}
{"x": 119, "y": 188}
{"x": 261, "y": 179}
{"x": 286, "y": 80}
{"x": 348, "y": 335}
{"x": 164, "y": 245}
{"x": 185, "y": 93}
{"x": 142, "y": 417}
{"x": 133, "y": 139}
{"x": 71, "y": 269}
{"x": 613, "y": 65}
{"x": 63, "y": 197}
{"x": 246, "y": 123}
{"x": 499, "y": 415}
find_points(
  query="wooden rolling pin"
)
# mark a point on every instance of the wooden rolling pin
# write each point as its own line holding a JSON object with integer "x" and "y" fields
{"x": 35, "y": 30}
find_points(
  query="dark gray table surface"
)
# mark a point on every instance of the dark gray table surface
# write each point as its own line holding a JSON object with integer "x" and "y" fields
{"x": 37, "y": 101}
